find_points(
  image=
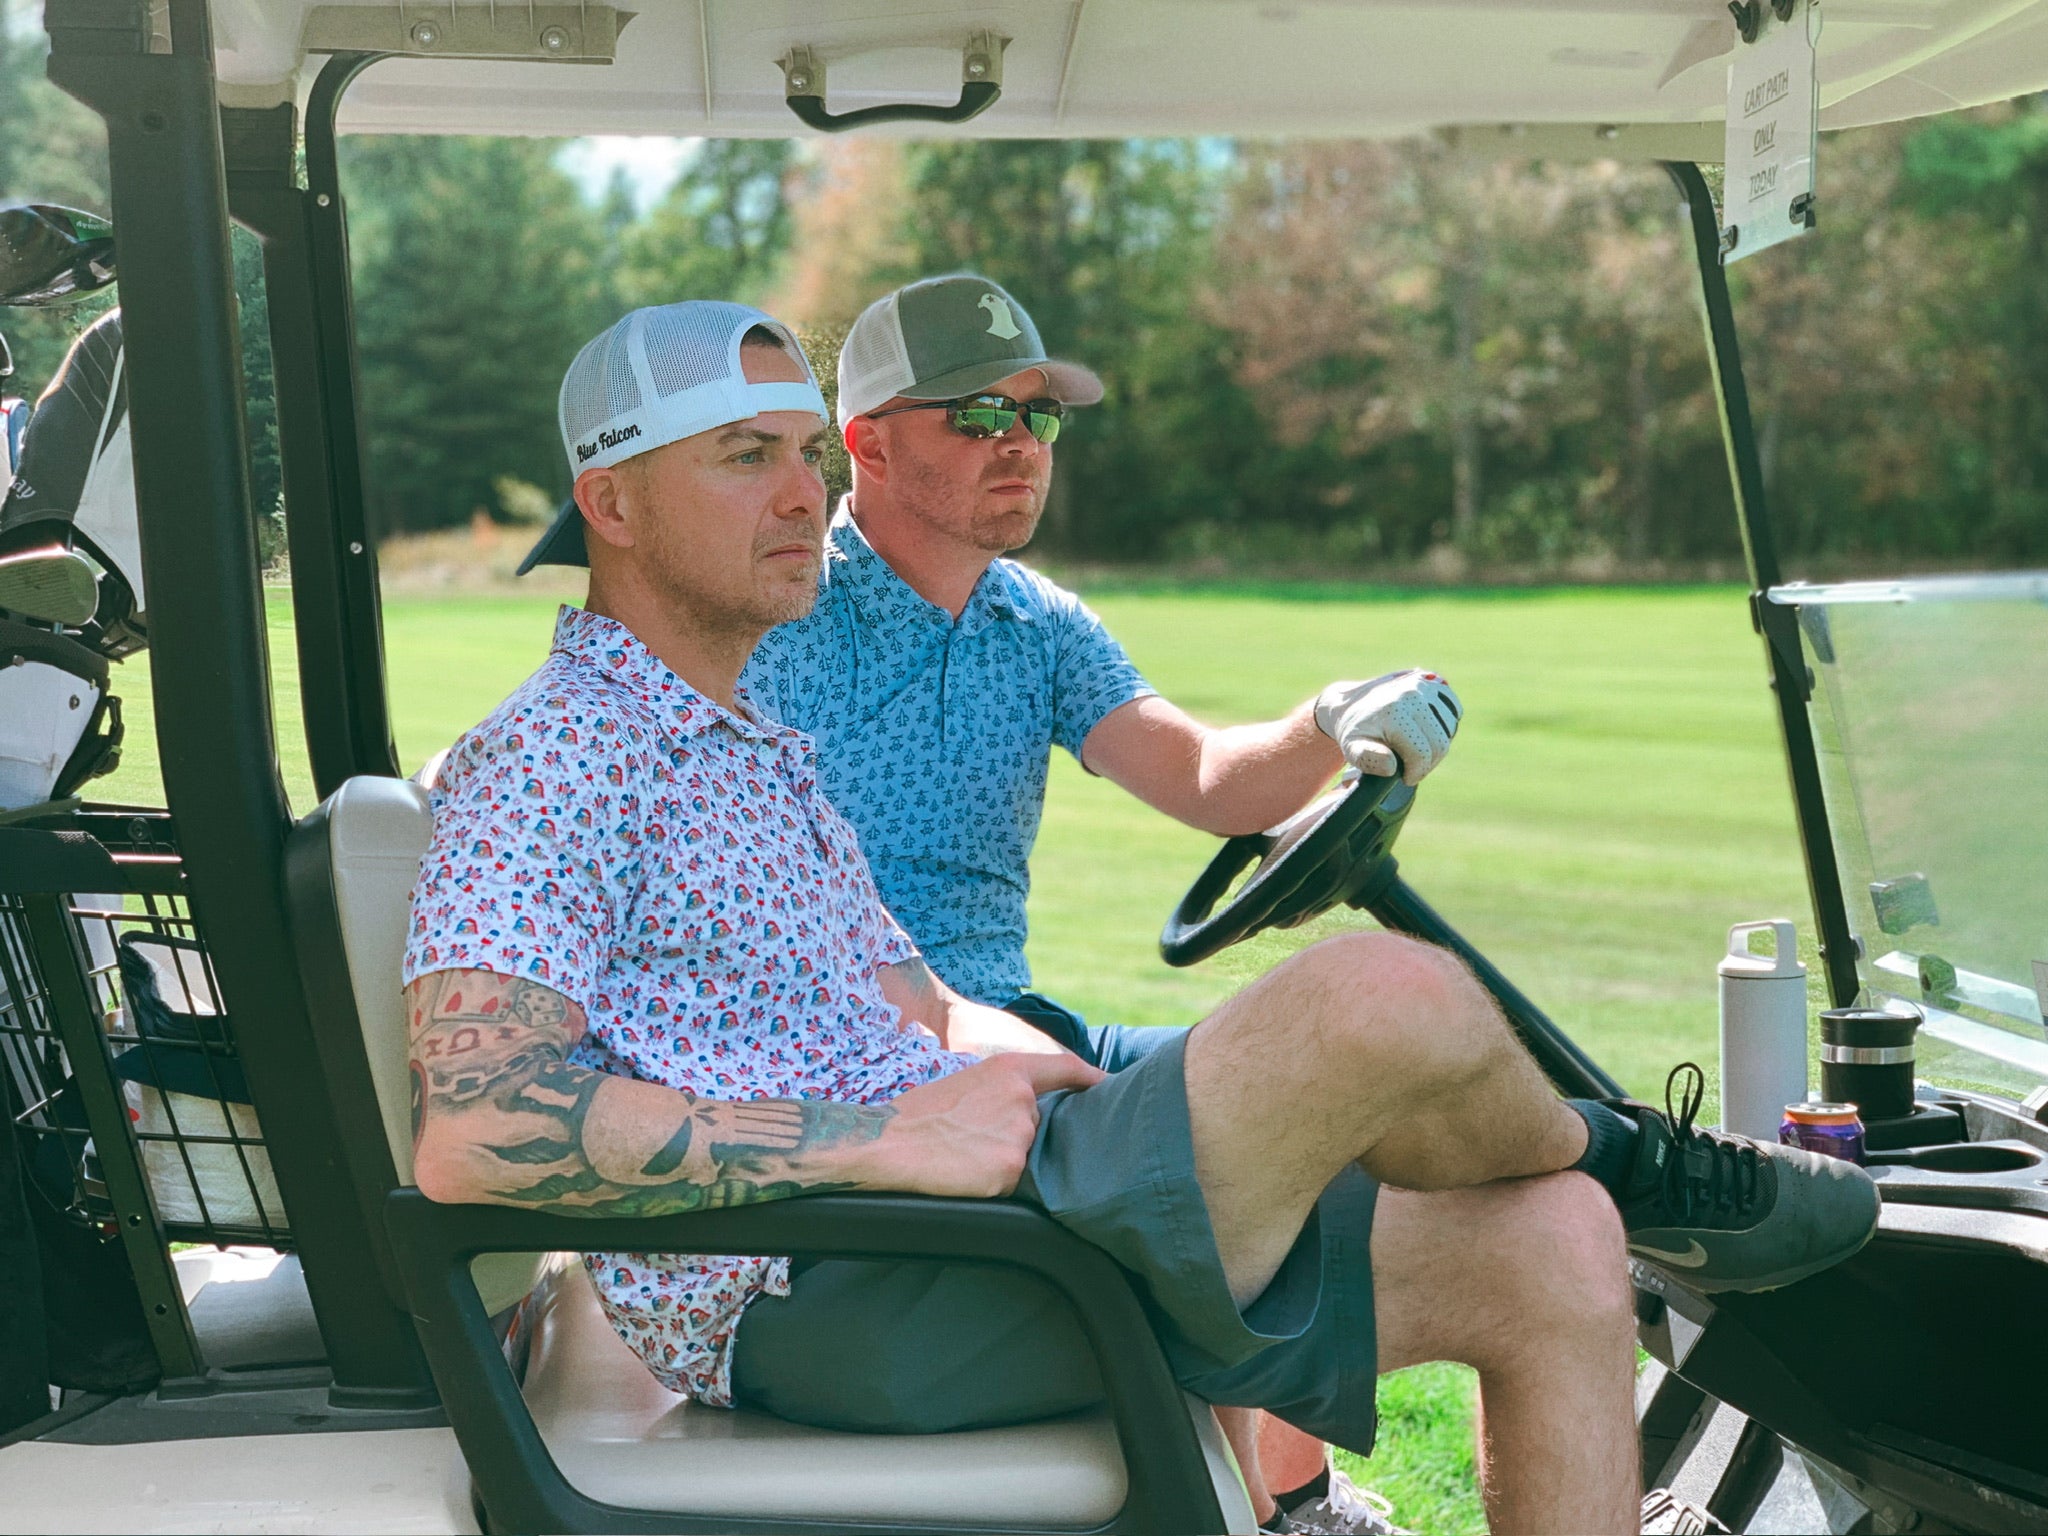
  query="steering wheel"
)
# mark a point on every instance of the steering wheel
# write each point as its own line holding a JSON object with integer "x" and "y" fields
{"x": 1338, "y": 849}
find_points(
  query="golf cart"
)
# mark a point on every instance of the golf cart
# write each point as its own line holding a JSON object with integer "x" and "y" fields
{"x": 202, "y": 1041}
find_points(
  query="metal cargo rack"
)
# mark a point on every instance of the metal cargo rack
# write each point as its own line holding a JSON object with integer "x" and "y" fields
{"x": 121, "y": 1076}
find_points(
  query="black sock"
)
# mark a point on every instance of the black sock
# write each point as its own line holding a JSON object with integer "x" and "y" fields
{"x": 1610, "y": 1145}
{"x": 1307, "y": 1493}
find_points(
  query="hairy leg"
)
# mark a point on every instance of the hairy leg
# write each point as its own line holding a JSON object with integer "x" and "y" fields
{"x": 1370, "y": 1048}
{"x": 1527, "y": 1282}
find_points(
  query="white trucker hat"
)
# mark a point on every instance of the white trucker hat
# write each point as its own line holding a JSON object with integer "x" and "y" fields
{"x": 655, "y": 377}
{"x": 943, "y": 338}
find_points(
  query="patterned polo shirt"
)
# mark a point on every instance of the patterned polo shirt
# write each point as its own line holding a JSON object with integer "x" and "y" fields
{"x": 673, "y": 868}
{"x": 935, "y": 736}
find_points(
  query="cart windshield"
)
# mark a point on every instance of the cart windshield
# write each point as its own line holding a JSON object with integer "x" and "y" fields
{"x": 1931, "y": 713}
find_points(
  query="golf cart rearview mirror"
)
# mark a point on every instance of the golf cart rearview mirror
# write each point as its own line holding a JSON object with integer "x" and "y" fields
{"x": 51, "y": 255}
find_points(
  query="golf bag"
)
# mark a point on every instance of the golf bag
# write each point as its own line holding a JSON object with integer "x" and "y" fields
{"x": 72, "y": 501}
{"x": 74, "y": 487}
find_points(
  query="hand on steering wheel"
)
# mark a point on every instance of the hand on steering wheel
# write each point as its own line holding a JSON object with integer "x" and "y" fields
{"x": 1401, "y": 722}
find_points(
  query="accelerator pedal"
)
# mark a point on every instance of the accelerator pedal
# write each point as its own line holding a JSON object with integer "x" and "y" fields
{"x": 1666, "y": 1514}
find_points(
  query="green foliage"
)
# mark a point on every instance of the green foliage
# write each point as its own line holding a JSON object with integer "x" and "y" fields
{"x": 1363, "y": 357}
{"x": 476, "y": 281}
{"x": 1970, "y": 167}
{"x": 719, "y": 233}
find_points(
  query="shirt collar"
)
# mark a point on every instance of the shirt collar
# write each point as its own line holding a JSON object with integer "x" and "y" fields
{"x": 622, "y": 658}
{"x": 886, "y": 600}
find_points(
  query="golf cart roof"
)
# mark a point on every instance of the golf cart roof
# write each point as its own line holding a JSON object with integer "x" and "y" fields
{"x": 1611, "y": 77}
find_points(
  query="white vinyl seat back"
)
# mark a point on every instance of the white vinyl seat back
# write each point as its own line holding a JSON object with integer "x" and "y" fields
{"x": 377, "y": 832}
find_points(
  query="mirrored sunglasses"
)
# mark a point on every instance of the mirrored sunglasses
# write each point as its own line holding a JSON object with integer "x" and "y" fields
{"x": 991, "y": 415}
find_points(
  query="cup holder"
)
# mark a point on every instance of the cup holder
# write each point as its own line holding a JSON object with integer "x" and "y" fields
{"x": 1973, "y": 1157}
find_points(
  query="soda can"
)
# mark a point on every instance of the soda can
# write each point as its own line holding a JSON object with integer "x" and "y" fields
{"x": 1833, "y": 1130}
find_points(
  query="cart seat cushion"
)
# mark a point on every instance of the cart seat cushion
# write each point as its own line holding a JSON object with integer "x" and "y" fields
{"x": 377, "y": 831}
{"x": 619, "y": 1436}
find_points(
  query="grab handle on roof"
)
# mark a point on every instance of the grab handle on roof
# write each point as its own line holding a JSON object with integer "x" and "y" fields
{"x": 981, "y": 83}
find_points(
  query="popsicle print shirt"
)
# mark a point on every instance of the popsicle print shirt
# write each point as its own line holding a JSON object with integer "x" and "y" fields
{"x": 673, "y": 868}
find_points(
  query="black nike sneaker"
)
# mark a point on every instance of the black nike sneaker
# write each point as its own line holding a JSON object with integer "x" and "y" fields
{"x": 1724, "y": 1213}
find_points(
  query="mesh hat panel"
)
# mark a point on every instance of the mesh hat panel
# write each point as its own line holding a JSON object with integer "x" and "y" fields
{"x": 874, "y": 364}
{"x": 656, "y": 376}
{"x": 669, "y": 372}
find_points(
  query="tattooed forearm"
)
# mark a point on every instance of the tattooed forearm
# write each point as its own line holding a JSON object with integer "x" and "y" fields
{"x": 501, "y": 1115}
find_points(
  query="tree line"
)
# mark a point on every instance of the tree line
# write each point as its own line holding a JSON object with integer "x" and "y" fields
{"x": 1339, "y": 356}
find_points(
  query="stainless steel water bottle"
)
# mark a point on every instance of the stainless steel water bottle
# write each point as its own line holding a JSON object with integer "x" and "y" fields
{"x": 1763, "y": 1030}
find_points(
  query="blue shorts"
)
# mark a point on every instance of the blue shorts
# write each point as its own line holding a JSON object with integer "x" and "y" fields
{"x": 1111, "y": 1047}
{"x": 922, "y": 1347}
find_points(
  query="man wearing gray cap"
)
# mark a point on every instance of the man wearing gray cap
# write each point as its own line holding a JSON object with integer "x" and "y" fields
{"x": 936, "y": 676}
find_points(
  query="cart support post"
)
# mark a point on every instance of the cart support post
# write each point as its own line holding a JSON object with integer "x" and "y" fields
{"x": 205, "y": 602}
{"x": 335, "y": 610}
{"x": 1782, "y": 653}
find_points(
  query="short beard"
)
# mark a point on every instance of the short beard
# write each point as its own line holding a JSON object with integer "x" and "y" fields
{"x": 927, "y": 495}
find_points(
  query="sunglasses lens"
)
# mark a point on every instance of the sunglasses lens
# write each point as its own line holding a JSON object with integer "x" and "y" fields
{"x": 983, "y": 417}
{"x": 1042, "y": 419}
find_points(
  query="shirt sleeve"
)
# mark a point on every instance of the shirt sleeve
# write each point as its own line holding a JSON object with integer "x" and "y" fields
{"x": 892, "y": 944}
{"x": 529, "y": 867}
{"x": 1091, "y": 674}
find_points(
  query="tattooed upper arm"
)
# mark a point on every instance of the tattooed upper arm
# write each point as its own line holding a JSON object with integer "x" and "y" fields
{"x": 915, "y": 992}
{"x": 470, "y": 1028}
{"x": 501, "y": 1115}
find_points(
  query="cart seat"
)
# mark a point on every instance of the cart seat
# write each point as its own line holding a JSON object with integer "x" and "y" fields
{"x": 620, "y": 1436}
{"x": 614, "y": 1432}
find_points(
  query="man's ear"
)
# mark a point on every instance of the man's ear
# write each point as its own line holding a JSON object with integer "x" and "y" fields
{"x": 600, "y": 497}
{"x": 865, "y": 445}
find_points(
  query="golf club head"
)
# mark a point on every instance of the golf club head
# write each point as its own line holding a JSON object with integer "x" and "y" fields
{"x": 52, "y": 585}
{"x": 51, "y": 255}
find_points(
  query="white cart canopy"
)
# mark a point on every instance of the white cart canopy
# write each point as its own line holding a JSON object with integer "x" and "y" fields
{"x": 1613, "y": 77}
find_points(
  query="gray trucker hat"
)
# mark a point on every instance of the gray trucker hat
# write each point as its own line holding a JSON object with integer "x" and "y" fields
{"x": 945, "y": 337}
{"x": 654, "y": 377}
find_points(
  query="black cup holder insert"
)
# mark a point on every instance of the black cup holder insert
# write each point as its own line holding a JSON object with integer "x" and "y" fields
{"x": 1969, "y": 1157}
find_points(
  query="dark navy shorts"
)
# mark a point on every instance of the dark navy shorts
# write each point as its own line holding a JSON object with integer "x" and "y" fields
{"x": 921, "y": 1347}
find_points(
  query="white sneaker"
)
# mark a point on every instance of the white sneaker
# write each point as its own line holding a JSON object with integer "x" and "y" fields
{"x": 1346, "y": 1510}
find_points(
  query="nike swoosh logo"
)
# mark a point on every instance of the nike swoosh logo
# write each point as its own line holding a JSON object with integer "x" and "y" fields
{"x": 1692, "y": 1256}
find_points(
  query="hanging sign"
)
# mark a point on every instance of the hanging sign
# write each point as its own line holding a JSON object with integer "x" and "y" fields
{"x": 1773, "y": 126}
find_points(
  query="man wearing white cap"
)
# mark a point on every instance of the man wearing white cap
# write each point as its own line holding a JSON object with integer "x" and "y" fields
{"x": 648, "y": 971}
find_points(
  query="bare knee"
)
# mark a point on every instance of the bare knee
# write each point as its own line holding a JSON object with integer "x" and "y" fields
{"x": 1560, "y": 1270}
{"x": 1390, "y": 1003}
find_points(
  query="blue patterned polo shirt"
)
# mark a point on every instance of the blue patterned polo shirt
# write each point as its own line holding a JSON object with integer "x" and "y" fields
{"x": 934, "y": 736}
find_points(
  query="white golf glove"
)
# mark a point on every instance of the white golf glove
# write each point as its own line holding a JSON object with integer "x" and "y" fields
{"x": 1401, "y": 723}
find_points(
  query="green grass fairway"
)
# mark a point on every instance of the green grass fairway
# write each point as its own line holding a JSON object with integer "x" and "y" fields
{"x": 1615, "y": 800}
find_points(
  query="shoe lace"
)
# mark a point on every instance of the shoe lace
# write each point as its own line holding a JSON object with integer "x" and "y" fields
{"x": 1351, "y": 1508}
{"x": 1704, "y": 1173}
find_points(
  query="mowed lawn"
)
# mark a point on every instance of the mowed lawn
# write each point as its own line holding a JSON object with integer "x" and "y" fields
{"x": 1615, "y": 800}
